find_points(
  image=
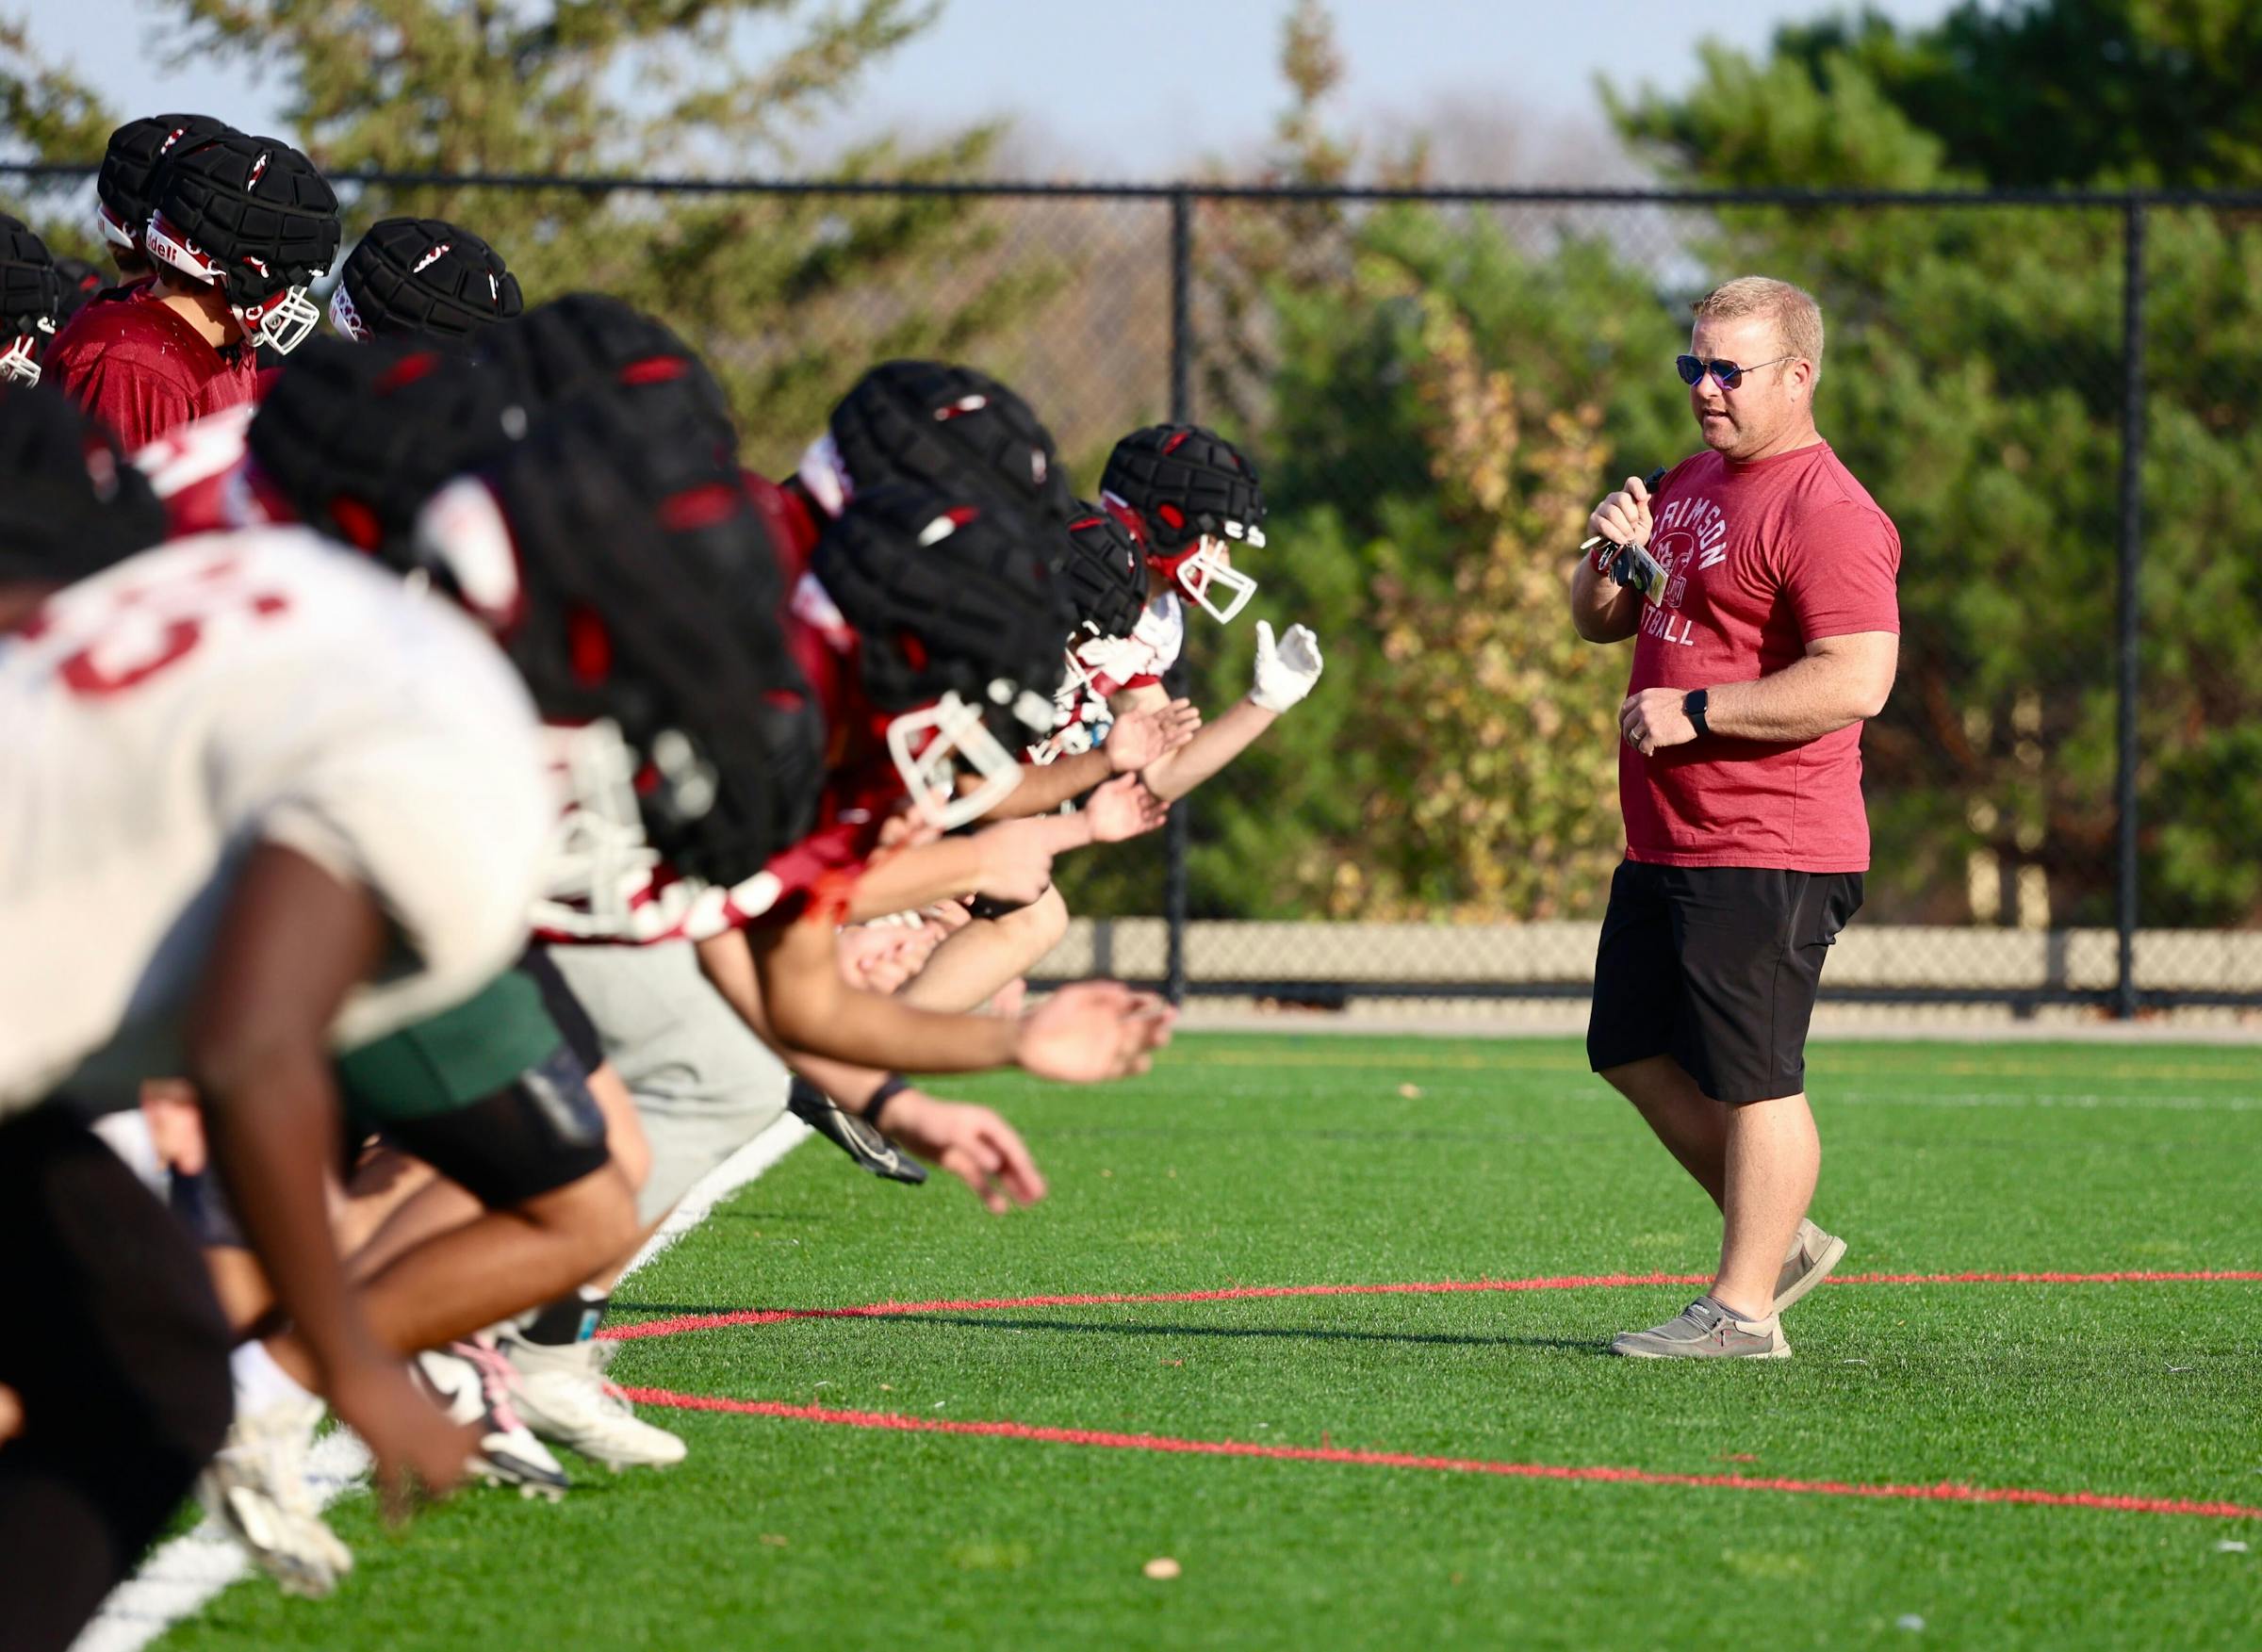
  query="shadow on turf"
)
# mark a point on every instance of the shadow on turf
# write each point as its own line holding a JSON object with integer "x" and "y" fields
{"x": 1084, "y": 1327}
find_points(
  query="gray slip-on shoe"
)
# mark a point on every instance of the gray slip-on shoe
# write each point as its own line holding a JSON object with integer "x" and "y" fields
{"x": 1814, "y": 1254}
{"x": 1705, "y": 1330}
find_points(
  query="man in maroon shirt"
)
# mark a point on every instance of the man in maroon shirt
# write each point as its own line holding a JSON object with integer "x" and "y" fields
{"x": 242, "y": 227}
{"x": 1765, "y": 629}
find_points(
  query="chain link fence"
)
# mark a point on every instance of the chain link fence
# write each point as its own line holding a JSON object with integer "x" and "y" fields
{"x": 2053, "y": 397}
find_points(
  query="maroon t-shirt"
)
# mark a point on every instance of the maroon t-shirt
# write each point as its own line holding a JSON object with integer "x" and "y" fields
{"x": 141, "y": 368}
{"x": 1762, "y": 559}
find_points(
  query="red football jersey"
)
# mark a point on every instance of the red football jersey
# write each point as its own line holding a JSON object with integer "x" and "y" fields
{"x": 141, "y": 366}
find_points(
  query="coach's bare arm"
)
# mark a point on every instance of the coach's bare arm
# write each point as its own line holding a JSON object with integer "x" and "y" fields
{"x": 1840, "y": 681}
{"x": 1603, "y": 611}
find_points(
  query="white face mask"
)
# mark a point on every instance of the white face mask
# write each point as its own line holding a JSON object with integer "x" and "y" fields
{"x": 17, "y": 364}
{"x": 346, "y": 319}
{"x": 1207, "y": 571}
{"x": 597, "y": 860}
{"x": 283, "y": 323}
{"x": 934, "y": 745}
{"x": 825, "y": 476}
{"x": 461, "y": 529}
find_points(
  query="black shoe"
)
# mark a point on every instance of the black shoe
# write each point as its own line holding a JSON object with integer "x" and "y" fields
{"x": 852, "y": 1135}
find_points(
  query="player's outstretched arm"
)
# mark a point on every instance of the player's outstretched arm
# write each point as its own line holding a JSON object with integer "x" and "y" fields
{"x": 293, "y": 941}
{"x": 1143, "y": 737}
{"x": 973, "y": 1143}
{"x": 794, "y": 995}
{"x": 1010, "y": 861}
{"x": 1286, "y": 671}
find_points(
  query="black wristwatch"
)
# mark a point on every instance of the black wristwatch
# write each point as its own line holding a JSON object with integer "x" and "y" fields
{"x": 1693, "y": 705}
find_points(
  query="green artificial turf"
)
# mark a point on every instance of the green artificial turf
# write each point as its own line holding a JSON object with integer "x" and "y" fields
{"x": 1323, "y": 1159}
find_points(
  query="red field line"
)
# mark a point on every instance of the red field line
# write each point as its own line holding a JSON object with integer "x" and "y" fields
{"x": 1568, "y": 1281}
{"x": 1949, "y": 1493}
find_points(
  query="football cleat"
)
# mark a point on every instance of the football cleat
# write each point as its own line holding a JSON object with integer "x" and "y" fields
{"x": 863, "y": 1143}
{"x": 561, "y": 1394}
{"x": 258, "y": 1490}
{"x": 472, "y": 1383}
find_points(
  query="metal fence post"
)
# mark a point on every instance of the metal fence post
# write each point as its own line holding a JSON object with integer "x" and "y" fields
{"x": 2131, "y": 558}
{"x": 1178, "y": 833}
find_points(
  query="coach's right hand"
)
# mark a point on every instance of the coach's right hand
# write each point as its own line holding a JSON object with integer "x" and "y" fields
{"x": 1623, "y": 518}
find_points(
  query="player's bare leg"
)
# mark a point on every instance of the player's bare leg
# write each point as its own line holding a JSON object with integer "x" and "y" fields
{"x": 476, "y": 1273}
{"x": 434, "y": 1205}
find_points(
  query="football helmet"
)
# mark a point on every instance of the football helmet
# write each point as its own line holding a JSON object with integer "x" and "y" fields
{"x": 939, "y": 426}
{"x": 625, "y": 570}
{"x": 125, "y": 188}
{"x": 1187, "y": 495}
{"x": 957, "y": 618}
{"x": 81, "y": 281}
{"x": 587, "y": 343}
{"x": 1106, "y": 582}
{"x": 250, "y": 217}
{"x": 422, "y": 278}
{"x": 73, "y": 504}
{"x": 355, "y": 438}
{"x": 31, "y": 302}
{"x": 1104, "y": 573}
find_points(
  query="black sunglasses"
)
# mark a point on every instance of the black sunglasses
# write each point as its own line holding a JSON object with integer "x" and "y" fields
{"x": 1730, "y": 375}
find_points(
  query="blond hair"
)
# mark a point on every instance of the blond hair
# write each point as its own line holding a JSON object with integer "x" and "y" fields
{"x": 1797, "y": 316}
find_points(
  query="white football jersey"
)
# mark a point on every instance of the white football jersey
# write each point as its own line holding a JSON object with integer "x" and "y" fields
{"x": 160, "y": 719}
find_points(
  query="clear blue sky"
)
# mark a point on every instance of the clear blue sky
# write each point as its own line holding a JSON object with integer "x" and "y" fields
{"x": 1148, "y": 88}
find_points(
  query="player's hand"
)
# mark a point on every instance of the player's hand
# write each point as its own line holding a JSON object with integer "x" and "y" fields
{"x": 1017, "y": 858}
{"x": 906, "y": 828}
{"x": 1623, "y": 518}
{"x": 1091, "y": 1031}
{"x": 176, "y": 1125}
{"x": 1285, "y": 672}
{"x": 414, "y": 1444}
{"x": 972, "y": 1143}
{"x": 1142, "y": 736}
{"x": 1652, "y": 720}
{"x": 1124, "y": 808}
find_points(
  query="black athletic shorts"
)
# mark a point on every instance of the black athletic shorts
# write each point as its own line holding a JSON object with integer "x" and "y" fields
{"x": 1717, "y": 967}
{"x": 542, "y": 1133}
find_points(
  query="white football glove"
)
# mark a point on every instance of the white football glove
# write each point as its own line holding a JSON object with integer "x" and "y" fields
{"x": 1287, "y": 673}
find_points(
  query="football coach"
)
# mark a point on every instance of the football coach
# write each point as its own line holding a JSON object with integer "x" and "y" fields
{"x": 1766, "y": 629}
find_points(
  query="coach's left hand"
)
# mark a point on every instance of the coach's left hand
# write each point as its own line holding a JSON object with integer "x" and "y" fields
{"x": 1652, "y": 720}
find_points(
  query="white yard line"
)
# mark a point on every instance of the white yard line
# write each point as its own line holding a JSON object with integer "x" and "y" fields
{"x": 180, "y": 1576}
